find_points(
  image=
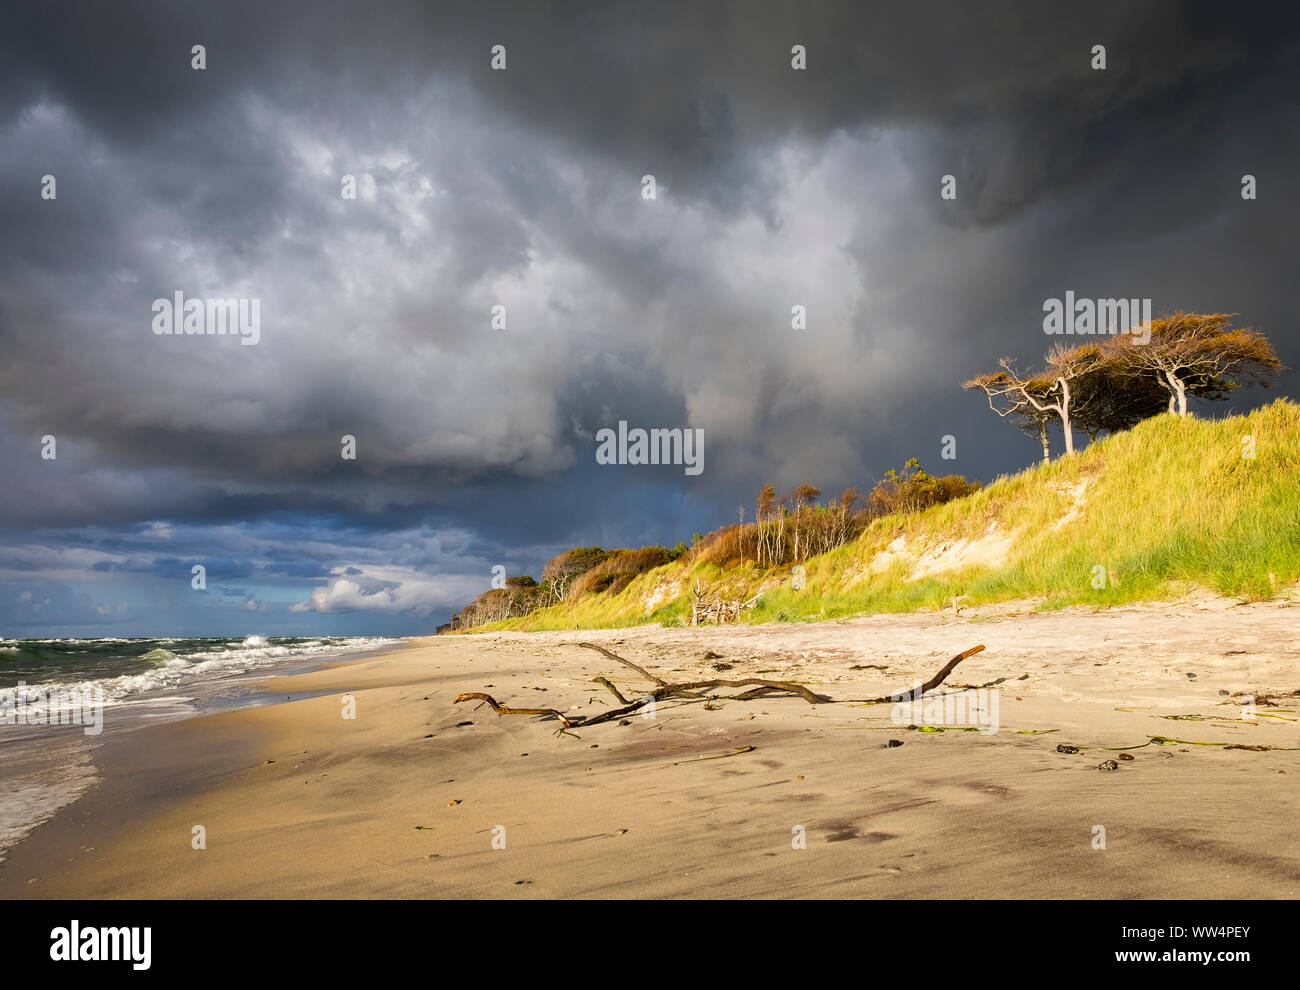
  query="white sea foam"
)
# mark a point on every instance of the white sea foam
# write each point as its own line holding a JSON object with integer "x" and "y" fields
{"x": 54, "y": 773}
{"x": 46, "y": 769}
{"x": 171, "y": 671}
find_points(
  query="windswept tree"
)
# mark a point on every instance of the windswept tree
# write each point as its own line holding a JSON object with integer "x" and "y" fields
{"x": 1007, "y": 397}
{"x": 1201, "y": 355}
{"x": 1119, "y": 381}
{"x": 1115, "y": 395}
{"x": 1053, "y": 391}
{"x": 1074, "y": 370}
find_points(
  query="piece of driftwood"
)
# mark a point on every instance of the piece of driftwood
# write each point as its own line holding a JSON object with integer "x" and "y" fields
{"x": 929, "y": 685}
{"x": 759, "y": 687}
{"x": 626, "y": 663}
{"x": 720, "y": 756}
{"x": 691, "y": 686}
{"x": 503, "y": 710}
{"x": 716, "y": 609}
{"x": 612, "y": 690}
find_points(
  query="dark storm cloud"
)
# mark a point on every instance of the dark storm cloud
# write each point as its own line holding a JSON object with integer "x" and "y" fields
{"x": 522, "y": 188}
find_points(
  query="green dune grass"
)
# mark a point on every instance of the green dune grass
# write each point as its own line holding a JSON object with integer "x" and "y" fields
{"x": 1166, "y": 508}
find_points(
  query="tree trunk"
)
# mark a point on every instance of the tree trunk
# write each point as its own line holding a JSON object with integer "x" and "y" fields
{"x": 1042, "y": 436}
{"x": 1065, "y": 416}
{"x": 1177, "y": 394}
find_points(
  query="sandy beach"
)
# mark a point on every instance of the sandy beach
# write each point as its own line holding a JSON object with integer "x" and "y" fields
{"x": 417, "y": 797}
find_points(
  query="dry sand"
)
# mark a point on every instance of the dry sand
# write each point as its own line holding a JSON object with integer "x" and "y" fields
{"x": 299, "y": 802}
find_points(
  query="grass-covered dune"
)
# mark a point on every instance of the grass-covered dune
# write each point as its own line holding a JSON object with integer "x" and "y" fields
{"x": 1173, "y": 506}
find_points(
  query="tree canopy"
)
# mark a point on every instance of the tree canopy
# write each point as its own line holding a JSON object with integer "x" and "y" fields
{"x": 1117, "y": 381}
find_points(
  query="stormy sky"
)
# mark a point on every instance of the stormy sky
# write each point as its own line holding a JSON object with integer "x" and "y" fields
{"x": 523, "y": 188}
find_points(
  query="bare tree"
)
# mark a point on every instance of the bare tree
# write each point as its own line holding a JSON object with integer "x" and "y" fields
{"x": 803, "y": 495}
{"x": 1055, "y": 392}
{"x": 1007, "y": 397}
{"x": 764, "y": 509}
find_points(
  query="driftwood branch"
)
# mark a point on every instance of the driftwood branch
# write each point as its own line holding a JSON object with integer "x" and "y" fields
{"x": 759, "y": 687}
{"x": 627, "y": 663}
{"x": 640, "y": 670}
{"x": 799, "y": 689}
{"x": 501, "y": 709}
{"x": 929, "y": 685}
{"x": 750, "y": 695}
{"x": 612, "y": 690}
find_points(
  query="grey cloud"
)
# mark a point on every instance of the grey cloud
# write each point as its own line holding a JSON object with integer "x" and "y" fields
{"x": 522, "y": 188}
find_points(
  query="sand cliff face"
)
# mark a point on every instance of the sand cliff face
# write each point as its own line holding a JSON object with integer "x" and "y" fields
{"x": 989, "y": 550}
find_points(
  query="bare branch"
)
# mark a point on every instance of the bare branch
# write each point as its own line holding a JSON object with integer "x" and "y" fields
{"x": 627, "y": 663}
{"x": 759, "y": 687}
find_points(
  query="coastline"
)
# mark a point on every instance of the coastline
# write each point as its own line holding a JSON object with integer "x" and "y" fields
{"x": 46, "y": 767}
{"x": 403, "y": 800}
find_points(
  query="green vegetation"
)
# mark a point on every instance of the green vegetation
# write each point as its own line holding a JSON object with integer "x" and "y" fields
{"x": 1172, "y": 506}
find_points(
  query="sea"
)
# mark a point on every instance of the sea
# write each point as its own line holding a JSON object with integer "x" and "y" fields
{"x": 61, "y": 698}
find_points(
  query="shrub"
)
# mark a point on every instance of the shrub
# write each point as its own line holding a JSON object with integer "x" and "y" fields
{"x": 617, "y": 570}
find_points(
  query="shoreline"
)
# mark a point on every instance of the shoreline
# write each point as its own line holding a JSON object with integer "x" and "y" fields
{"x": 47, "y": 768}
{"x": 404, "y": 800}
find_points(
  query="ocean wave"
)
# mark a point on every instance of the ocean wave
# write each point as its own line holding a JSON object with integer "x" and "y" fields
{"x": 47, "y": 768}
{"x": 172, "y": 670}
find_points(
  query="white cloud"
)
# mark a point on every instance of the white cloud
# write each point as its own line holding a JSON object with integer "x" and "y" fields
{"x": 391, "y": 590}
